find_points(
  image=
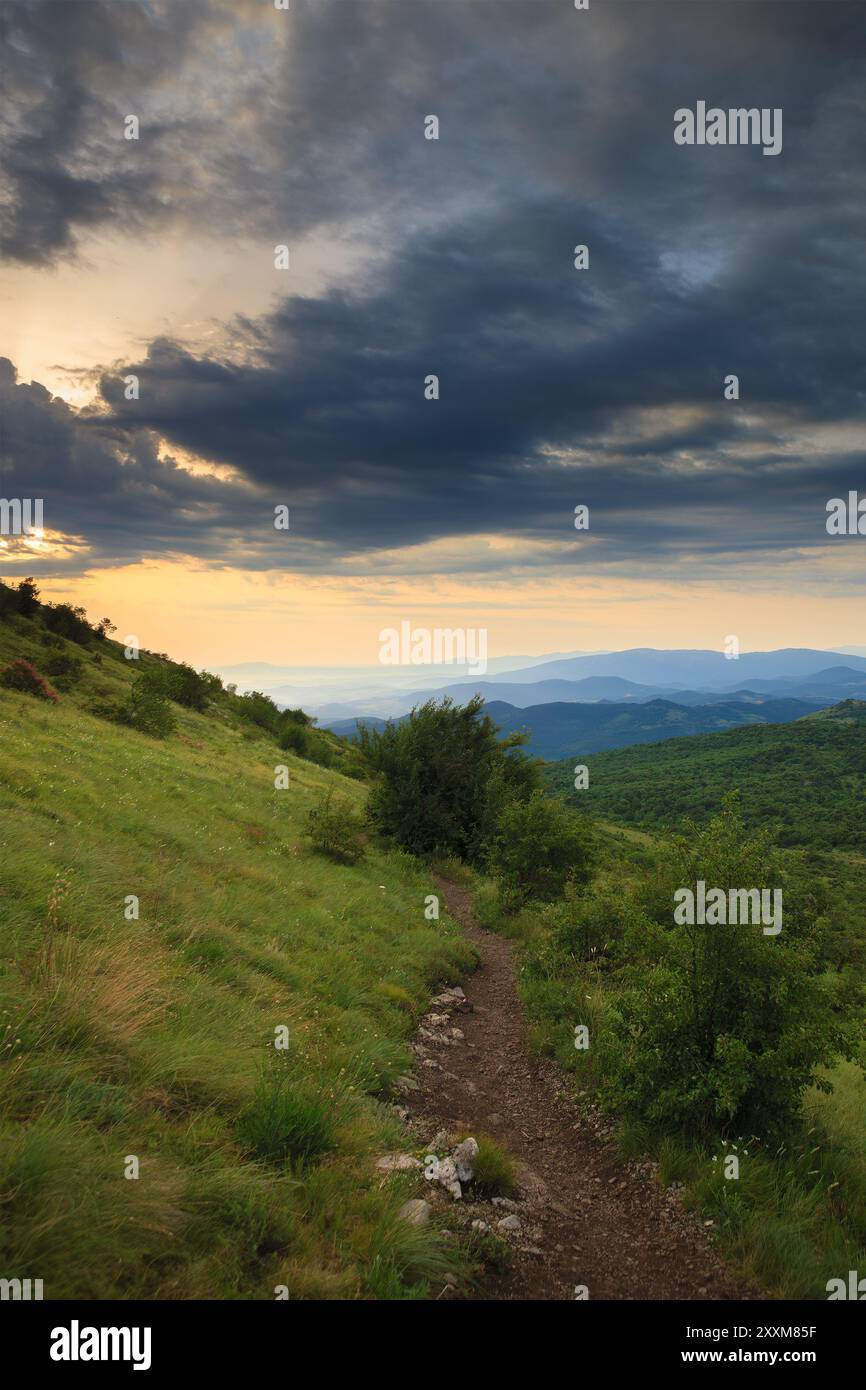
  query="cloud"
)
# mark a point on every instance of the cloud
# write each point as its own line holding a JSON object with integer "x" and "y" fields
{"x": 556, "y": 386}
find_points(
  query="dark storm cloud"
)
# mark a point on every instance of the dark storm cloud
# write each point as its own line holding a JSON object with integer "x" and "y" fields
{"x": 557, "y": 387}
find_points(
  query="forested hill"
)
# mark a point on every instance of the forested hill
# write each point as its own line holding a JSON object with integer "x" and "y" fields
{"x": 807, "y": 779}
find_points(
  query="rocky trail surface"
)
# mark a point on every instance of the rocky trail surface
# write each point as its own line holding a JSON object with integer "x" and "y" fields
{"x": 584, "y": 1219}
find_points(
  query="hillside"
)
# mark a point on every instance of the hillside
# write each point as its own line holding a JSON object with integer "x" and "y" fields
{"x": 154, "y": 1037}
{"x": 806, "y": 779}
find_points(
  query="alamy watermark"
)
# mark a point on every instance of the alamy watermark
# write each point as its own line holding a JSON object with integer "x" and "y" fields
{"x": 714, "y": 907}
{"x": 438, "y": 646}
{"x": 736, "y": 126}
{"x": 21, "y": 516}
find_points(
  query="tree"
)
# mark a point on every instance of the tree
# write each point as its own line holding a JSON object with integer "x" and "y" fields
{"x": 27, "y": 598}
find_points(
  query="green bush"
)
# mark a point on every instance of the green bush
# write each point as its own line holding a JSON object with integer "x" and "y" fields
{"x": 179, "y": 682}
{"x": 443, "y": 776}
{"x": 336, "y": 829}
{"x": 65, "y": 620}
{"x": 295, "y": 739}
{"x": 538, "y": 847}
{"x": 147, "y": 711}
{"x": 720, "y": 1024}
{"x": 65, "y": 668}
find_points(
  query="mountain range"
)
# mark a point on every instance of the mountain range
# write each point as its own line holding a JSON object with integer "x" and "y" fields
{"x": 575, "y": 705}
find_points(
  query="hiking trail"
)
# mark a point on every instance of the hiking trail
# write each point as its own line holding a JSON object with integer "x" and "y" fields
{"x": 587, "y": 1217}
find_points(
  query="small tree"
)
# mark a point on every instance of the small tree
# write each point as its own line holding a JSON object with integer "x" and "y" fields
{"x": 27, "y": 598}
{"x": 147, "y": 711}
{"x": 336, "y": 829}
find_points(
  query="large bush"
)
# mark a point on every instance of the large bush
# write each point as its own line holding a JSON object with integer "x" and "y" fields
{"x": 443, "y": 778}
{"x": 67, "y": 621}
{"x": 538, "y": 847}
{"x": 22, "y": 598}
{"x": 179, "y": 682}
{"x": 721, "y": 1025}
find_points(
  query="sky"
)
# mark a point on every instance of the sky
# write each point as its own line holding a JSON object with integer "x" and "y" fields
{"x": 261, "y": 387}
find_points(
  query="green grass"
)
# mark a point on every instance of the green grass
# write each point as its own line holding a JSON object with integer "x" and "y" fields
{"x": 155, "y": 1037}
{"x": 494, "y": 1174}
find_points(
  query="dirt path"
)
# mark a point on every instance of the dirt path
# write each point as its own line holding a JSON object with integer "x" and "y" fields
{"x": 587, "y": 1218}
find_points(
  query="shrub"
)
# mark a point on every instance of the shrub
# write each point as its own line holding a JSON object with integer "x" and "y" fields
{"x": 179, "y": 682}
{"x": 720, "y": 1024}
{"x": 294, "y": 739}
{"x": 443, "y": 776}
{"x": 26, "y": 598}
{"x": 65, "y": 667}
{"x": 147, "y": 711}
{"x": 336, "y": 829}
{"x": 67, "y": 621}
{"x": 20, "y": 675}
{"x": 539, "y": 845}
{"x": 256, "y": 707}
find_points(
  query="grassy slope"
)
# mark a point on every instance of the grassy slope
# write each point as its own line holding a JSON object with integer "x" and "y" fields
{"x": 149, "y": 1037}
{"x": 806, "y": 779}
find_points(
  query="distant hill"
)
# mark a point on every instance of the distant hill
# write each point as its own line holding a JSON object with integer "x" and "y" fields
{"x": 574, "y": 730}
{"x": 806, "y": 779}
{"x": 564, "y": 730}
{"x": 642, "y": 674}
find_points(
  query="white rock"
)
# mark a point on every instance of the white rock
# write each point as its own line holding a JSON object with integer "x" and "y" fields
{"x": 416, "y": 1212}
{"x": 464, "y": 1157}
{"x": 444, "y": 1171}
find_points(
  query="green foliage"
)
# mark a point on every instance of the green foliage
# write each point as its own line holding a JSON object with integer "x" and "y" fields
{"x": 336, "y": 829}
{"x": 22, "y": 598}
{"x": 443, "y": 778}
{"x": 67, "y": 621}
{"x": 147, "y": 710}
{"x": 805, "y": 781}
{"x": 493, "y": 1170}
{"x": 718, "y": 1024}
{"x": 538, "y": 847}
{"x": 65, "y": 667}
{"x": 179, "y": 682}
